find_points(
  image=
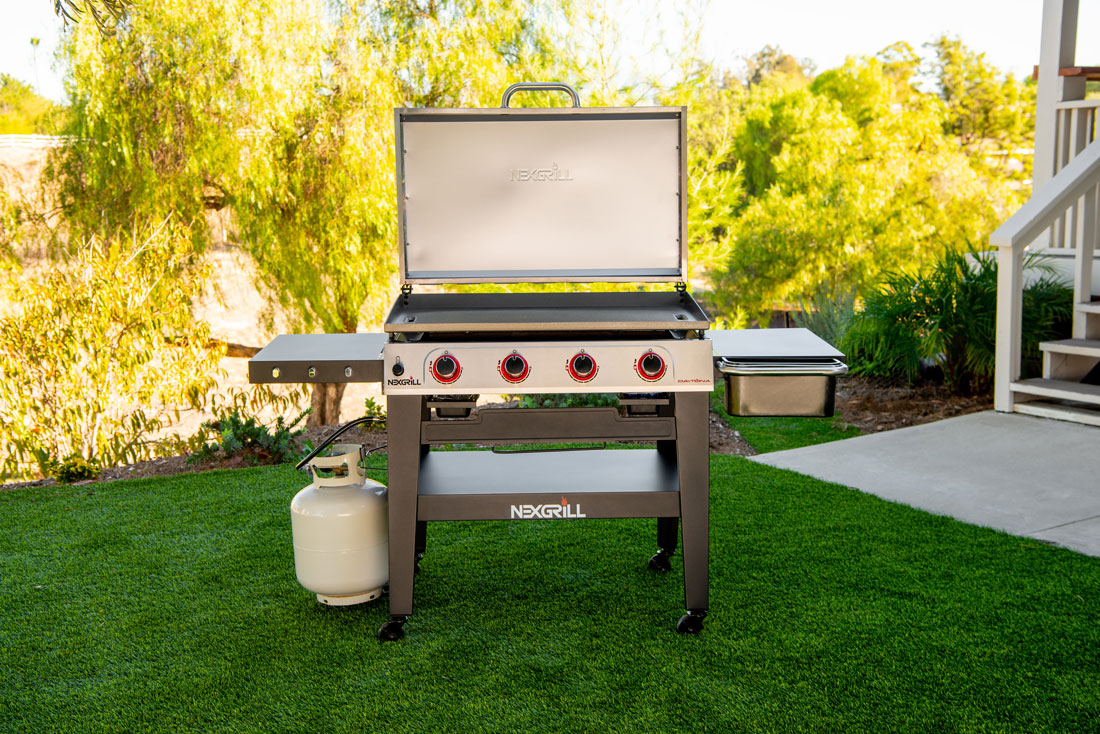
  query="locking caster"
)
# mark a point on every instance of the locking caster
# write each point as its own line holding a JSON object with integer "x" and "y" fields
{"x": 661, "y": 561}
{"x": 393, "y": 630}
{"x": 691, "y": 623}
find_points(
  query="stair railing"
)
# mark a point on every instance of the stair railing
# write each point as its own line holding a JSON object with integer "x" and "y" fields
{"x": 1074, "y": 190}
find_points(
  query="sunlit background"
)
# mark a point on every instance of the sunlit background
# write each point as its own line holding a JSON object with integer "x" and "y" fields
{"x": 1006, "y": 31}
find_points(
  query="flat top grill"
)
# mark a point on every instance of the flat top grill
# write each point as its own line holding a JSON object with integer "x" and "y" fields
{"x": 560, "y": 312}
{"x": 553, "y": 196}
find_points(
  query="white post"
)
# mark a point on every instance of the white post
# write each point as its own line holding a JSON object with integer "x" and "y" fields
{"x": 1057, "y": 50}
{"x": 1082, "y": 277}
{"x": 1010, "y": 282}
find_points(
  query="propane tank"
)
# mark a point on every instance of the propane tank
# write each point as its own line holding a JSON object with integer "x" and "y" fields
{"x": 340, "y": 527}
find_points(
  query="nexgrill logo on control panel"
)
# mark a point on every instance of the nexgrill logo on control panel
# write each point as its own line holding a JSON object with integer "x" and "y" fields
{"x": 564, "y": 511}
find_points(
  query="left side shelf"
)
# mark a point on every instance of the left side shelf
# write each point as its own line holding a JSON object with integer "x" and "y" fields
{"x": 308, "y": 358}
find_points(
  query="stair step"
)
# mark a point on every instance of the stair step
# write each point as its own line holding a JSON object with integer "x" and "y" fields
{"x": 1058, "y": 411}
{"x": 1079, "y": 347}
{"x": 1059, "y": 390}
{"x": 1087, "y": 307}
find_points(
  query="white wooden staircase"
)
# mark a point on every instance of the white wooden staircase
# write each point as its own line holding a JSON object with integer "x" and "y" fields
{"x": 1070, "y": 386}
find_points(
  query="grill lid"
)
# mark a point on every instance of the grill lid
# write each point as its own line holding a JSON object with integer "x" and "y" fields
{"x": 541, "y": 195}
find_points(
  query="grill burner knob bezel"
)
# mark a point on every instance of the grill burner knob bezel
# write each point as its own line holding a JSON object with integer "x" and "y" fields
{"x": 578, "y": 375}
{"x": 439, "y": 376}
{"x": 508, "y": 375}
{"x": 651, "y": 375}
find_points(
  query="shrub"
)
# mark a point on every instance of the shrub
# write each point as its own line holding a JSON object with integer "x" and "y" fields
{"x": 372, "y": 409}
{"x": 828, "y": 314}
{"x": 240, "y": 435}
{"x": 101, "y": 351}
{"x": 75, "y": 469}
{"x": 948, "y": 314}
{"x": 566, "y": 400}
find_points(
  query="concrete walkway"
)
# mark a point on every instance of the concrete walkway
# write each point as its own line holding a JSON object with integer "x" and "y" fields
{"x": 1027, "y": 476}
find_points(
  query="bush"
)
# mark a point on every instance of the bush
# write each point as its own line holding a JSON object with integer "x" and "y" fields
{"x": 948, "y": 314}
{"x": 372, "y": 409}
{"x": 828, "y": 314}
{"x": 244, "y": 436}
{"x": 101, "y": 351}
{"x": 75, "y": 469}
{"x": 566, "y": 400}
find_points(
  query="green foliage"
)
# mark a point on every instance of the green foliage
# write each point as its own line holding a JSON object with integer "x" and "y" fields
{"x": 164, "y": 107}
{"x": 11, "y": 220}
{"x": 22, "y": 112}
{"x": 847, "y": 178}
{"x": 990, "y": 113}
{"x": 105, "y": 14}
{"x": 101, "y": 351}
{"x": 566, "y": 400}
{"x": 771, "y": 61}
{"x": 75, "y": 469}
{"x": 828, "y": 313}
{"x": 947, "y": 313}
{"x": 243, "y": 435}
{"x": 372, "y": 409}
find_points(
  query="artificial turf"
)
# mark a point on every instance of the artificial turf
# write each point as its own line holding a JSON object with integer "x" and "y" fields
{"x": 766, "y": 434}
{"x": 171, "y": 605}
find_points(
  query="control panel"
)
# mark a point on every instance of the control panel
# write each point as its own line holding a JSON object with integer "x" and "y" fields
{"x": 426, "y": 368}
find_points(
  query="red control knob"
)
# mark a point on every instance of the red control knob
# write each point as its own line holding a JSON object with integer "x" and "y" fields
{"x": 582, "y": 367}
{"x": 651, "y": 367}
{"x": 446, "y": 369}
{"x": 514, "y": 368}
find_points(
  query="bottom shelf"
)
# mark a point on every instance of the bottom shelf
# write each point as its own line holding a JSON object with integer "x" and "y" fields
{"x": 482, "y": 485}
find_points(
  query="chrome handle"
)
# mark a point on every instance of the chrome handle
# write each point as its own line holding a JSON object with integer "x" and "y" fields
{"x": 540, "y": 87}
{"x": 824, "y": 368}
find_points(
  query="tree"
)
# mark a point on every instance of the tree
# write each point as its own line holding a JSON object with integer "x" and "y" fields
{"x": 105, "y": 14}
{"x": 847, "y": 178}
{"x": 316, "y": 199}
{"x": 772, "y": 61}
{"x": 22, "y": 111}
{"x": 102, "y": 352}
{"x": 162, "y": 107}
{"x": 990, "y": 113}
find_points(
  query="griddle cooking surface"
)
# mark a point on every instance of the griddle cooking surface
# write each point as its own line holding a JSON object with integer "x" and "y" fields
{"x": 483, "y": 312}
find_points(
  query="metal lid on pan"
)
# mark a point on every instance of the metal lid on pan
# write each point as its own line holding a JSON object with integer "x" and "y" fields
{"x": 564, "y": 194}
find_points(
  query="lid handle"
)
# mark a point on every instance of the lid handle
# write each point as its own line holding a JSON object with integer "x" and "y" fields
{"x": 540, "y": 87}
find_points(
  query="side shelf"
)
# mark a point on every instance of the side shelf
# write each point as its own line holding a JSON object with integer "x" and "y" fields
{"x": 309, "y": 358}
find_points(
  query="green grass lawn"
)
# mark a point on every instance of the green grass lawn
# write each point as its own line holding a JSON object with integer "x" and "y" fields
{"x": 777, "y": 434}
{"x": 171, "y": 605}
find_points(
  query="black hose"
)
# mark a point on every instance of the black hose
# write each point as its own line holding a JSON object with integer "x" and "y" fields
{"x": 336, "y": 434}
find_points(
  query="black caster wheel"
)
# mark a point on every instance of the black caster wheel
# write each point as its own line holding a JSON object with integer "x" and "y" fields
{"x": 661, "y": 562}
{"x": 691, "y": 623}
{"x": 392, "y": 630}
{"x": 386, "y": 590}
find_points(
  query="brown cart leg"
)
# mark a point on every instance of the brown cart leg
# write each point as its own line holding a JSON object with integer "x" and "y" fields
{"x": 404, "y": 413}
{"x": 693, "y": 464}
